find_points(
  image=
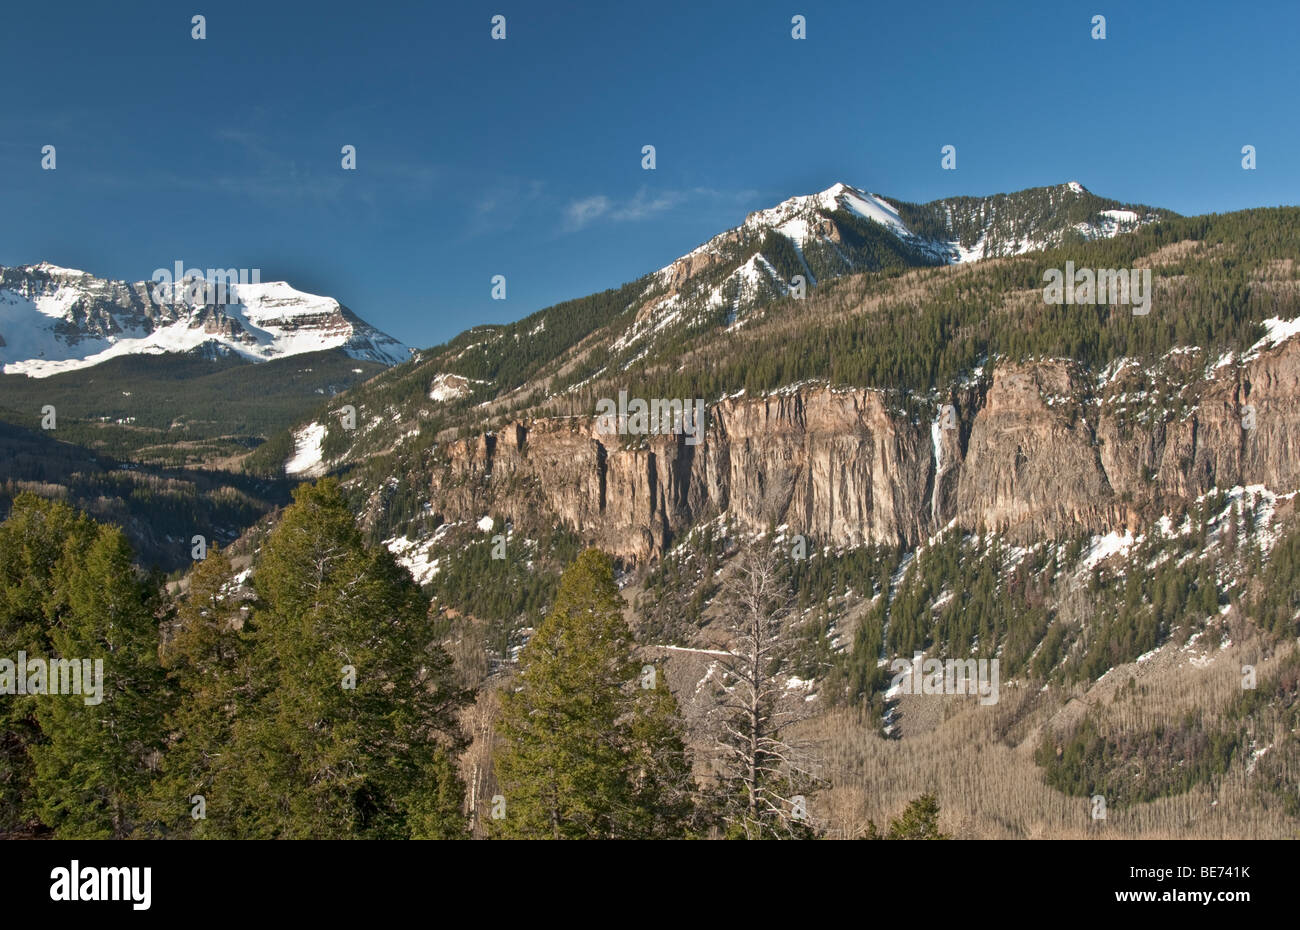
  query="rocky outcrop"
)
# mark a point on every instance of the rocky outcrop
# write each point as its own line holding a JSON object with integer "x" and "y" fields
{"x": 1034, "y": 450}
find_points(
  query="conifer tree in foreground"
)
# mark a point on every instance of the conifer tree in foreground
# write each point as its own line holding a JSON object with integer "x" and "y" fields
{"x": 94, "y": 764}
{"x": 203, "y": 655}
{"x": 669, "y": 805}
{"x": 32, "y": 540}
{"x": 586, "y": 752}
{"x": 346, "y": 723}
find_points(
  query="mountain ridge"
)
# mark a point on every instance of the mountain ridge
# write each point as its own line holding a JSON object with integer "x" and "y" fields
{"x": 55, "y": 319}
{"x": 722, "y": 283}
{"x": 845, "y": 230}
{"x": 433, "y": 434}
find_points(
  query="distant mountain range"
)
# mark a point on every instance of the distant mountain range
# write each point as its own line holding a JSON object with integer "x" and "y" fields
{"x": 885, "y": 309}
{"x": 55, "y": 320}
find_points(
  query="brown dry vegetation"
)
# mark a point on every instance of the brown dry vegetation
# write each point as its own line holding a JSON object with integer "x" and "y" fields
{"x": 979, "y": 760}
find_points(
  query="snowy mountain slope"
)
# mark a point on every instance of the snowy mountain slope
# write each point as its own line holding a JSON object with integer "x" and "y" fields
{"x": 713, "y": 292}
{"x": 56, "y": 319}
{"x": 844, "y": 229}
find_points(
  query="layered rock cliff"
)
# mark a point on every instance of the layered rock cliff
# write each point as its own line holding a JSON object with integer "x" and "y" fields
{"x": 1030, "y": 450}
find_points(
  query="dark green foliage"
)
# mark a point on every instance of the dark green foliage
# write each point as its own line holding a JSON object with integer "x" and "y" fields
{"x": 865, "y": 570}
{"x": 919, "y": 821}
{"x": 871, "y": 247}
{"x": 1131, "y": 768}
{"x": 1137, "y": 609}
{"x": 781, "y": 254}
{"x": 205, "y": 655}
{"x": 507, "y": 594}
{"x": 1049, "y": 654}
{"x": 917, "y": 344}
{"x": 92, "y": 765}
{"x": 1277, "y": 600}
{"x": 69, "y": 590}
{"x": 678, "y": 588}
{"x": 348, "y": 710}
{"x": 853, "y": 675}
{"x": 159, "y": 509}
{"x": 1005, "y": 217}
{"x": 508, "y": 355}
{"x": 667, "y": 804}
{"x": 980, "y": 611}
{"x": 574, "y": 717}
{"x": 858, "y": 676}
{"x": 967, "y": 596}
{"x": 32, "y": 541}
{"x": 322, "y": 708}
{"x": 181, "y": 409}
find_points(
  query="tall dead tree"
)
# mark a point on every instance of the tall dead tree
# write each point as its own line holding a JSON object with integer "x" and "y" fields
{"x": 762, "y": 774}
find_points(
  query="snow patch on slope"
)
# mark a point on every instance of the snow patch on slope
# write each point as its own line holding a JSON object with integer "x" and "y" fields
{"x": 415, "y": 555}
{"x": 446, "y": 387}
{"x": 307, "y": 460}
{"x": 1276, "y": 332}
{"x": 1103, "y": 547}
{"x": 869, "y": 207}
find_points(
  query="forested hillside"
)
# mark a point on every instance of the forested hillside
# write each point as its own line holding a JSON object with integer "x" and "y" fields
{"x": 946, "y": 559}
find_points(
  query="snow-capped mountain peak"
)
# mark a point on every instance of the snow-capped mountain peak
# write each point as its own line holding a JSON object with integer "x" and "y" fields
{"x": 55, "y": 319}
{"x": 868, "y": 206}
{"x": 52, "y": 269}
{"x": 839, "y": 196}
{"x": 846, "y": 229}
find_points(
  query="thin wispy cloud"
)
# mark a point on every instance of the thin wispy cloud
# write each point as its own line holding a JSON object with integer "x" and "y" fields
{"x": 586, "y": 211}
{"x": 642, "y": 206}
{"x": 582, "y": 212}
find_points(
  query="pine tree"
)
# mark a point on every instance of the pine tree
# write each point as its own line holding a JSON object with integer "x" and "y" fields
{"x": 32, "y": 540}
{"x": 203, "y": 657}
{"x": 663, "y": 784}
{"x": 93, "y": 769}
{"x": 587, "y": 750}
{"x": 561, "y": 767}
{"x": 919, "y": 821}
{"x": 348, "y": 719}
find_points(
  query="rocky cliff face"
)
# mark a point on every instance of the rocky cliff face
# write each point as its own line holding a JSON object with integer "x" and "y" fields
{"x": 1033, "y": 451}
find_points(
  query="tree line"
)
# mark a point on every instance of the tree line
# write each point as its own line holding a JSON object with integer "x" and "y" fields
{"x": 312, "y": 697}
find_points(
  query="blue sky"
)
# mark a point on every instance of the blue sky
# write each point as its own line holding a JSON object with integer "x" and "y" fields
{"x": 523, "y": 157}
